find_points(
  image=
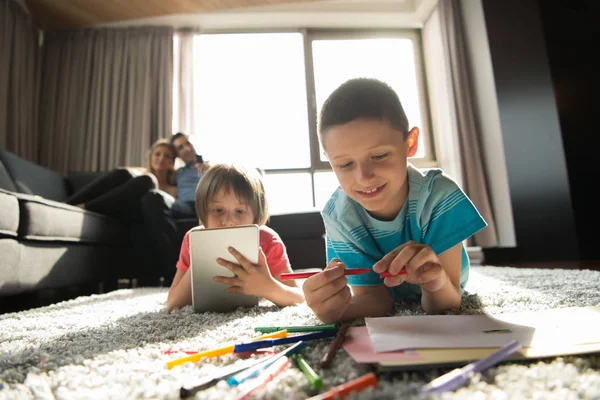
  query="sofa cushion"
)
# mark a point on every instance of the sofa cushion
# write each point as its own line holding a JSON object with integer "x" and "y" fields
{"x": 298, "y": 225}
{"x": 9, "y": 214}
{"x": 43, "y": 219}
{"x": 6, "y": 181}
{"x": 31, "y": 178}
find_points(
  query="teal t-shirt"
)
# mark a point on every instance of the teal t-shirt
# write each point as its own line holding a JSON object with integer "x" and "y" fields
{"x": 437, "y": 213}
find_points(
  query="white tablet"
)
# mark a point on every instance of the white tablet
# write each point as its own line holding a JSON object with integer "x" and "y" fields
{"x": 206, "y": 245}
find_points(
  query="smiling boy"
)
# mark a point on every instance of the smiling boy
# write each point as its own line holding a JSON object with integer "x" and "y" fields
{"x": 386, "y": 214}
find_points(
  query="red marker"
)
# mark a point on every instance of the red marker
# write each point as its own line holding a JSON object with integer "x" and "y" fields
{"x": 350, "y": 271}
{"x": 387, "y": 274}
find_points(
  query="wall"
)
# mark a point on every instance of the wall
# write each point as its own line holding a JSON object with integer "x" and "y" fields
{"x": 572, "y": 31}
{"x": 533, "y": 143}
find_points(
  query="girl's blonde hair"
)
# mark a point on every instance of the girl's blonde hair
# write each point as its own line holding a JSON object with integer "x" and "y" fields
{"x": 155, "y": 145}
{"x": 246, "y": 183}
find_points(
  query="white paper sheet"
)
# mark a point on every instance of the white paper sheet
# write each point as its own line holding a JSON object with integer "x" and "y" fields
{"x": 574, "y": 325}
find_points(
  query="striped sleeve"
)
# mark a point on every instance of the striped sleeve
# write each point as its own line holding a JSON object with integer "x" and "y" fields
{"x": 447, "y": 216}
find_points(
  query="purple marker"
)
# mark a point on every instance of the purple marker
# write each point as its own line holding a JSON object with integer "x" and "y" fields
{"x": 459, "y": 377}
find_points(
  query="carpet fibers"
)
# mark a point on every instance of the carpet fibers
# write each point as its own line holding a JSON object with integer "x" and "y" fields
{"x": 112, "y": 346}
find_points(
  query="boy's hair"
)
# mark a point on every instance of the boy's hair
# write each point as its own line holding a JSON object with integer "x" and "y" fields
{"x": 246, "y": 183}
{"x": 363, "y": 98}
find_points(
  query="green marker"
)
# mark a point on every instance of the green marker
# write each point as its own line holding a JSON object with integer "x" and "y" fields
{"x": 314, "y": 379}
{"x": 315, "y": 328}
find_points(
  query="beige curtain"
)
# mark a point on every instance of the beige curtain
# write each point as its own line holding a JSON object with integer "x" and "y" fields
{"x": 106, "y": 96}
{"x": 19, "y": 81}
{"x": 183, "y": 83}
{"x": 460, "y": 119}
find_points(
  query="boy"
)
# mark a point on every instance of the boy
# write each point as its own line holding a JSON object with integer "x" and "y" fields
{"x": 386, "y": 214}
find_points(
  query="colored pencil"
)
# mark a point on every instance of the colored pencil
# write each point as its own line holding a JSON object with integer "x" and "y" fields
{"x": 339, "y": 338}
{"x": 221, "y": 350}
{"x": 343, "y": 390}
{"x": 295, "y": 329}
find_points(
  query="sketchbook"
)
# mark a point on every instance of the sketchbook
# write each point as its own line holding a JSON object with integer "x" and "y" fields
{"x": 548, "y": 333}
{"x": 568, "y": 326}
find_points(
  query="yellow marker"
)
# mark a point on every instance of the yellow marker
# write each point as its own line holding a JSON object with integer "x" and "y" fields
{"x": 221, "y": 350}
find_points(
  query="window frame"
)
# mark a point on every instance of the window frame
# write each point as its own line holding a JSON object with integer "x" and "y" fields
{"x": 309, "y": 35}
{"x": 413, "y": 35}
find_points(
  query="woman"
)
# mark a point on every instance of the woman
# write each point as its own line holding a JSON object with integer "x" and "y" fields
{"x": 161, "y": 163}
{"x": 118, "y": 193}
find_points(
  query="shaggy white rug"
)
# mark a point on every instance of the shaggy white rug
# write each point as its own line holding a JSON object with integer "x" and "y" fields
{"x": 112, "y": 346}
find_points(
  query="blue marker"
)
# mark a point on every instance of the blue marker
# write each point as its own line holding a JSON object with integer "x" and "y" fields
{"x": 255, "y": 369}
{"x": 261, "y": 344}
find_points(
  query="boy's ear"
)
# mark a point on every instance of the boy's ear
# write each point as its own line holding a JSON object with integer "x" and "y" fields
{"x": 412, "y": 141}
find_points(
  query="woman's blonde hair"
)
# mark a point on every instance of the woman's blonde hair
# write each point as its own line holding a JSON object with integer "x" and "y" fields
{"x": 155, "y": 145}
{"x": 246, "y": 183}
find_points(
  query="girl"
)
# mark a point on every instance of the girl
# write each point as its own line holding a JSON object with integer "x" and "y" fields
{"x": 117, "y": 193}
{"x": 228, "y": 195}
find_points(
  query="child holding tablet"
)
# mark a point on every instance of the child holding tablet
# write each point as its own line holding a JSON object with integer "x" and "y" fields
{"x": 229, "y": 195}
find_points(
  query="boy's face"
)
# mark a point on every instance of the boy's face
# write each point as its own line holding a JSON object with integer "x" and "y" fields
{"x": 369, "y": 160}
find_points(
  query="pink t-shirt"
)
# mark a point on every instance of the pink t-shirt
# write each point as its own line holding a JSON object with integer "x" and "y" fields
{"x": 270, "y": 243}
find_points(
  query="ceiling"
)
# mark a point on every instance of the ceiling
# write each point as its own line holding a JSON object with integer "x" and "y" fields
{"x": 73, "y": 14}
{"x": 70, "y": 14}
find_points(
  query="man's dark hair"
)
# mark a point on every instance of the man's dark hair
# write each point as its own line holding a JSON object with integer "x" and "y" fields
{"x": 363, "y": 98}
{"x": 177, "y": 136}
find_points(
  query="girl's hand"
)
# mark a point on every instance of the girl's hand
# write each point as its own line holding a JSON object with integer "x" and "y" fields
{"x": 251, "y": 279}
{"x": 422, "y": 265}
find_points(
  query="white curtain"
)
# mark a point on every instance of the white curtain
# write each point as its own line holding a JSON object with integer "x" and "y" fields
{"x": 183, "y": 83}
{"x": 458, "y": 138}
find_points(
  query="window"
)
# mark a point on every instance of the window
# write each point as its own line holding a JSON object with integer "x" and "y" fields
{"x": 257, "y": 96}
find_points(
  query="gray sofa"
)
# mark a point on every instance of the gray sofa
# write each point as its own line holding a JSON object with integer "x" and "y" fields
{"x": 46, "y": 244}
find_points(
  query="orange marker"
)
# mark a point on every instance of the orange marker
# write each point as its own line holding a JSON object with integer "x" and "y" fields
{"x": 343, "y": 390}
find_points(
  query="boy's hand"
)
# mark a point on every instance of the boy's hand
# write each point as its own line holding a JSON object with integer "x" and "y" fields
{"x": 327, "y": 293}
{"x": 251, "y": 279}
{"x": 422, "y": 265}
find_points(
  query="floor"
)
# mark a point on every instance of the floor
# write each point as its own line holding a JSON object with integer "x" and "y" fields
{"x": 47, "y": 297}
{"x": 584, "y": 264}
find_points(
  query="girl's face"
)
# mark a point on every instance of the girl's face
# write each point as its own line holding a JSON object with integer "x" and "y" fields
{"x": 227, "y": 210}
{"x": 162, "y": 159}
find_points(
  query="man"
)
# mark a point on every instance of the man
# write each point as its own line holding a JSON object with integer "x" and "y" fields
{"x": 161, "y": 211}
{"x": 186, "y": 177}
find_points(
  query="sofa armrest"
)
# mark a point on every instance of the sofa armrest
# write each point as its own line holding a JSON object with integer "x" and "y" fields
{"x": 31, "y": 178}
{"x": 9, "y": 213}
